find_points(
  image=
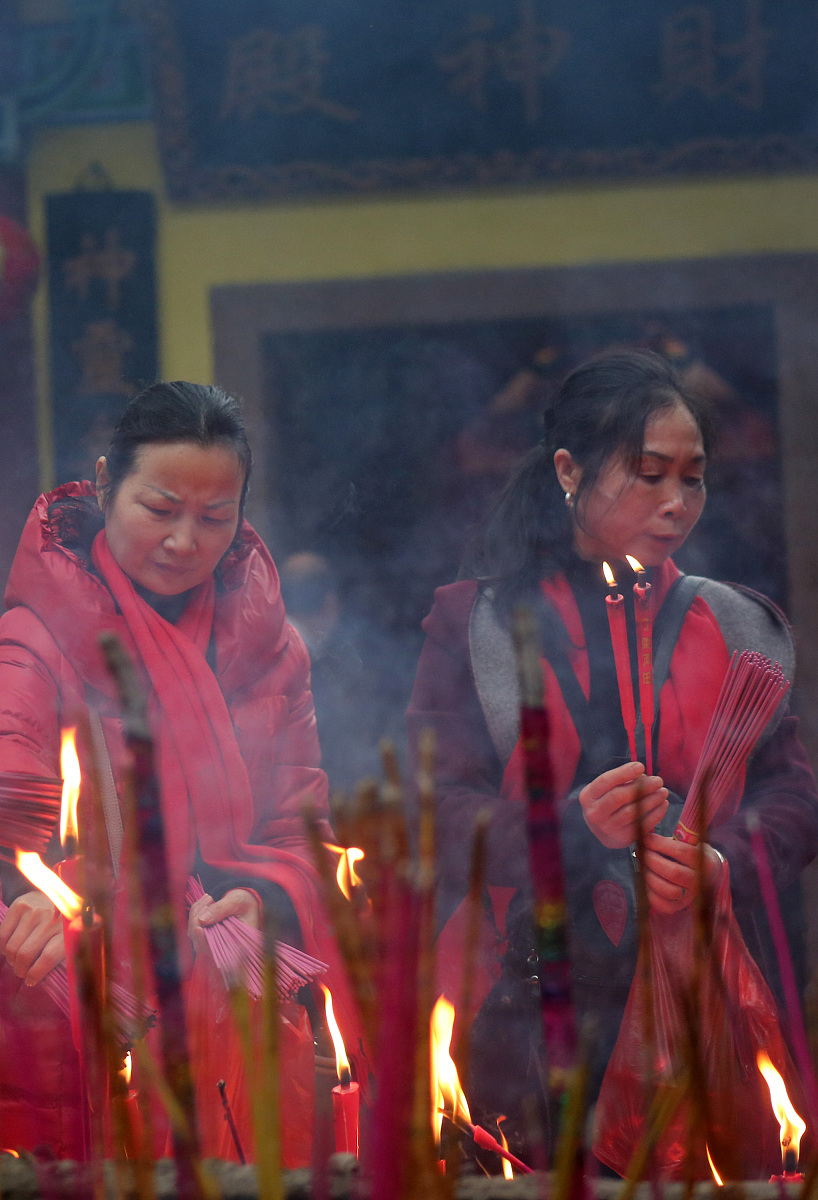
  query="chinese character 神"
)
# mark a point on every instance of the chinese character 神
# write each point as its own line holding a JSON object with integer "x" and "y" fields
{"x": 101, "y": 350}
{"x": 694, "y": 60}
{"x": 110, "y": 263}
{"x": 278, "y": 73}
{"x": 525, "y": 58}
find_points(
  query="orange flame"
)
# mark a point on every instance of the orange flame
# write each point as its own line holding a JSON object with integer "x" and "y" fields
{"x": 127, "y": 1069}
{"x": 341, "y": 1060}
{"x": 71, "y": 781}
{"x": 59, "y": 893}
{"x": 13, "y": 1153}
{"x": 508, "y": 1170}
{"x": 716, "y": 1176}
{"x": 635, "y": 564}
{"x": 792, "y": 1127}
{"x": 610, "y": 579}
{"x": 447, "y": 1094}
{"x": 348, "y": 878}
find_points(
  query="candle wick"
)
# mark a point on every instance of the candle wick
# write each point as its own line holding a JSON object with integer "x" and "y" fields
{"x": 345, "y": 1077}
{"x": 87, "y": 915}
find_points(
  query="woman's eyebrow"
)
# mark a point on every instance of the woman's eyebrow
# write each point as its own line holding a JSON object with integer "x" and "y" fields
{"x": 696, "y": 458}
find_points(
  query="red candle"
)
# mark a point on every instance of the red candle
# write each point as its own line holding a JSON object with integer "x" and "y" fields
{"x": 130, "y": 1118}
{"x": 345, "y": 1104}
{"x": 644, "y": 656}
{"x": 615, "y": 605}
{"x": 346, "y": 1097}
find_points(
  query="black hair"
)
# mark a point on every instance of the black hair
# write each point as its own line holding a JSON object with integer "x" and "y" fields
{"x": 177, "y": 412}
{"x": 600, "y": 410}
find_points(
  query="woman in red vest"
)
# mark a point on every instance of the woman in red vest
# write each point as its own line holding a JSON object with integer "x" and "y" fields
{"x": 158, "y": 552}
{"x": 620, "y": 470}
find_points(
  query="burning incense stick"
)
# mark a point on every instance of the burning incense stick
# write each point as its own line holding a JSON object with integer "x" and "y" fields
{"x": 644, "y": 656}
{"x": 615, "y": 608}
{"x": 152, "y": 860}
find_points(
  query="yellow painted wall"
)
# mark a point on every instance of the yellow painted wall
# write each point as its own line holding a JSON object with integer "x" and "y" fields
{"x": 200, "y": 247}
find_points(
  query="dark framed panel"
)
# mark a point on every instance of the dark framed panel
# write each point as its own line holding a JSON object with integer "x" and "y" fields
{"x": 764, "y": 309}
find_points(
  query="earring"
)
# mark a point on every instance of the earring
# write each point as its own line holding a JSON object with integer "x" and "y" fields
{"x": 569, "y": 499}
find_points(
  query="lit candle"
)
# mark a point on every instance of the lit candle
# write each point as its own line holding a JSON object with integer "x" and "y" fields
{"x": 346, "y": 1096}
{"x": 128, "y": 1119}
{"x": 791, "y": 1125}
{"x": 615, "y": 605}
{"x": 644, "y": 656}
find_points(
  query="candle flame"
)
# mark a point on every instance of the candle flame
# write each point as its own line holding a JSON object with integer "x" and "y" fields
{"x": 610, "y": 578}
{"x": 348, "y": 878}
{"x": 792, "y": 1127}
{"x": 71, "y": 781}
{"x": 508, "y": 1170}
{"x": 60, "y": 894}
{"x": 716, "y": 1176}
{"x": 635, "y": 564}
{"x": 7, "y": 1150}
{"x": 447, "y": 1094}
{"x": 127, "y": 1069}
{"x": 341, "y": 1060}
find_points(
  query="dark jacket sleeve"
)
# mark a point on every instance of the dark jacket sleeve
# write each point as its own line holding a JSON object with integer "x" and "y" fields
{"x": 468, "y": 771}
{"x": 781, "y": 789}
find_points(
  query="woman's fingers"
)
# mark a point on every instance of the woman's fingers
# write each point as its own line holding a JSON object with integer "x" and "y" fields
{"x": 609, "y": 780}
{"x": 52, "y": 953}
{"x": 33, "y": 932}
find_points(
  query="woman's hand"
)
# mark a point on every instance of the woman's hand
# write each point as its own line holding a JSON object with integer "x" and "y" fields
{"x": 238, "y": 902}
{"x": 609, "y": 804}
{"x": 31, "y": 937}
{"x": 671, "y": 872}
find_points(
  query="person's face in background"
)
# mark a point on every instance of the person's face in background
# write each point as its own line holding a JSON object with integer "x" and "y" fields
{"x": 175, "y": 515}
{"x": 648, "y": 512}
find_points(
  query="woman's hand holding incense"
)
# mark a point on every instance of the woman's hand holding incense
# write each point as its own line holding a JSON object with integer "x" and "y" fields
{"x": 238, "y": 902}
{"x": 610, "y": 804}
{"x": 672, "y": 872}
{"x": 31, "y": 937}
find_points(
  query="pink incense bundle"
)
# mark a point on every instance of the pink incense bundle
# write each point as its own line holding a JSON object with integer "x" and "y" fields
{"x": 29, "y": 810}
{"x": 133, "y": 1020}
{"x": 238, "y": 952}
{"x": 751, "y": 692}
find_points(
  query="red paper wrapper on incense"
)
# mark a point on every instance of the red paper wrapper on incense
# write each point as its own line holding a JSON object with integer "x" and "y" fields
{"x": 550, "y": 922}
{"x": 615, "y": 607}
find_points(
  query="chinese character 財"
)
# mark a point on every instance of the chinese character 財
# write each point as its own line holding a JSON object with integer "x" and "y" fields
{"x": 531, "y": 53}
{"x": 279, "y": 73}
{"x": 693, "y": 59}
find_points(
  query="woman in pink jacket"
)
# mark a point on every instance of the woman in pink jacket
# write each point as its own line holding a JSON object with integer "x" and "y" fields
{"x": 158, "y": 553}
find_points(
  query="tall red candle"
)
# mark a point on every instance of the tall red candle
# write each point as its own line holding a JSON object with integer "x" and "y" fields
{"x": 643, "y": 608}
{"x": 615, "y": 605}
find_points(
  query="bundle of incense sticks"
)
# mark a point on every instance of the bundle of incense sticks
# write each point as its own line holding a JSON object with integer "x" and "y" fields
{"x": 29, "y": 810}
{"x": 751, "y": 692}
{"x": 238, "y": 952}
{"x": 132, "y": 1020}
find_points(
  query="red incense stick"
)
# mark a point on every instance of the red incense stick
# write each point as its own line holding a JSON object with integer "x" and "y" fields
{"x": 750, "y": 693}
{"x": 644, "y": 656}
{"x": 615, "y": 606}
